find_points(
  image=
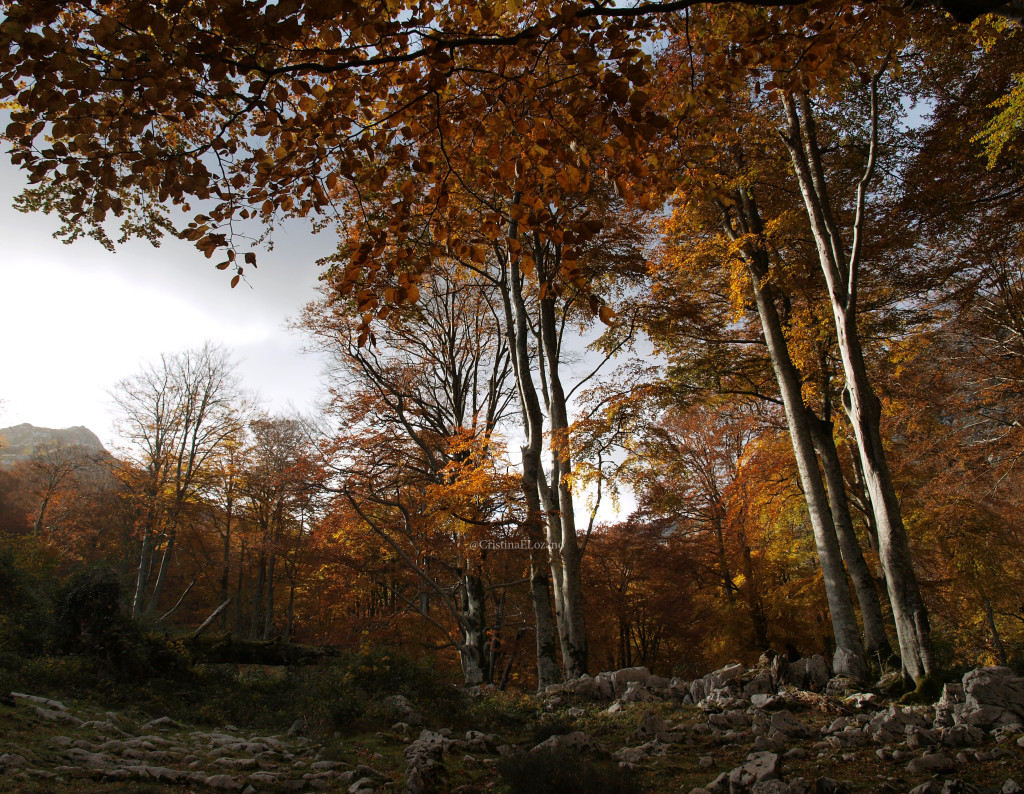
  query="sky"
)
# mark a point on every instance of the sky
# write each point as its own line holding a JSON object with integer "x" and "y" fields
{"x": 76, "y": 319}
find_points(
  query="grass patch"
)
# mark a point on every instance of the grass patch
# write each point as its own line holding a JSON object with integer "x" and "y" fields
{"x": 565, "y": 772}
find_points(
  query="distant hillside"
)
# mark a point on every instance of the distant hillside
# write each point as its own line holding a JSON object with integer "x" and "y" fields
{"x": 19, "y": 442}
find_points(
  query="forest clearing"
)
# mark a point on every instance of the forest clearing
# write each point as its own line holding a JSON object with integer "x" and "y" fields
{"x": 682, "y": 341}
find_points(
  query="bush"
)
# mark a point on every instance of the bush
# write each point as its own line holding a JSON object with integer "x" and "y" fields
{"x": 503, "y": 711}
{"x": 25, "y": 608}
{"x": 552, "y": 725}
{"x": 88, "y": 621}
{"x": 564, "y": 772}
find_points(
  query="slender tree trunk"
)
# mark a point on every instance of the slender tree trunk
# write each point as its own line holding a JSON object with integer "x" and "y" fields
{"x": 225, "y": 573}
{"x": 849, "y": 657}
{"x": 553, "y": 538}
{"x": 574, "y": 662}
{"x": 141, "y": 580}
{"x": 513, "y": 653}
{"x": 41, "y": 515}
{"x": 859, "y": 399}
{"x": 547, "y": 666}
{"x": 291, "y": 610}
{"x": 268, "y": 615}
{"x": 754, "y": 605}
{"x": 876, "y": 642}
{"x": 161, "y": 577}
{"x": 257, "y": 598}
{"x": 517, "y": 332}
{"x": 239, "y": 607}
{"x": 990, "y": 616}
{"x": 723, "y": 560}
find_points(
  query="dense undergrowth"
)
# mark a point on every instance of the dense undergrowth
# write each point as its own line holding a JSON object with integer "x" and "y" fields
{"x": 71, "y": 639}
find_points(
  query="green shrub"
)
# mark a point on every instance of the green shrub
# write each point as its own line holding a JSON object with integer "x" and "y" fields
{"x": 564, "y": 772}
{"x": 503, "y": 711}
{"x": 25, "y": 607}
{"x": 552, "y": 725}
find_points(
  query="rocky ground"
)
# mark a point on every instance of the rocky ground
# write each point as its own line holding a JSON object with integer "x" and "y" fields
{"x": 773, "y": 728}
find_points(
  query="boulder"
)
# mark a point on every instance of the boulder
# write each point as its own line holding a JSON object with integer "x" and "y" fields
{"x": 637, "y": 755}
{"x": 621, "y": 679}
{"x": 404, "y": 709}
{"x": 761, "y": 684}
{"x": 848, "y": 664}
{"x": 758, "y": 767}
{"x": 992, "y": 696}
{"x": 810, "y": 673}
{"x": 577, "y": 741}
{"x": 773, "y": 786}
{"x": 424, "y": 772}
{"x": 653, "y": 727}
{"x": 863, "y": 700}
{"x": 783, "y": 722}
{"x": 637, "y": 692}
{"x": 932, "y": 764}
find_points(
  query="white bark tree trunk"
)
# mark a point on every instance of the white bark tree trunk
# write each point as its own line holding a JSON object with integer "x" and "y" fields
{"x": 849, "y": 656}
{"x": 859, "y": 399}
{"x": 876, "y": 641}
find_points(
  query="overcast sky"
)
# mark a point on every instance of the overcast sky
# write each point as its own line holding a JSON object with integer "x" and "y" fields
{"x": 75, "y": 319}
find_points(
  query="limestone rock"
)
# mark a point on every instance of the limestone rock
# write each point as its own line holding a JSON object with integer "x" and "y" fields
{"x": 992, "y": 696}
{"x": 577, "y": 741}
{"x": 773, "y": 786}
{"x": 758, "y": 767}
{"x": 222, "y": 783}
{"x": 810, "y": 673}
{"x": 785, "y": 723}
{"x": 405, "y": 710}
{"x": 933, "y": 764}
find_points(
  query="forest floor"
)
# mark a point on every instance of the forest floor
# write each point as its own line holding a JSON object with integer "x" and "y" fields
{"x": 649, "y": 746}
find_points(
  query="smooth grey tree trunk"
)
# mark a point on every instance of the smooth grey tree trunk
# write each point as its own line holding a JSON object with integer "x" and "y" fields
{"x": 849, "y": 656}
{"x": 859, "y": 399}
{"x": 876, "y": 641}
{"x": 145, "y": 560}
{"x": 574, "y": 660}
{"x": 516, "y": 329}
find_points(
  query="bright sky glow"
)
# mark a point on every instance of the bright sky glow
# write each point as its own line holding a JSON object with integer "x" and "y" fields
{"x": 76, "y": 319}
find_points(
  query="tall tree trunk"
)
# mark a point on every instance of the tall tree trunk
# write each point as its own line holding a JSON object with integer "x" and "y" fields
{"x": 990, "y": 616}
{"x": 547, "y": 665}
{"x": 859, "y": 399}
{"x": 574, "y": 662}
{"x": 257, "y": 597}
{"x": 553, "y": 538}
{"x": 161, "y": 577}
{"x": 754, "y": 604}
{"x": 268, "y": 616}
{"x": 290, "y": 616}
{"x": 225, "y": 572}
{"x": 41, "y": 514}
{"x": 876, "y": 642}
{"x": 473, "y": 627}
{"x": 516, "y": 329}
{"x": 723, "y": 560}
{"x": 141, "y": 580}
{"x": 849, "y": 657}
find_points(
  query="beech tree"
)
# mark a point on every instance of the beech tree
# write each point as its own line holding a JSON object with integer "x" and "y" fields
{"x": 420, "y": 412}
{"x": 175, "y": 414}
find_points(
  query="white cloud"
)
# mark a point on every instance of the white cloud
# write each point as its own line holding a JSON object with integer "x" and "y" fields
{"x": 76, "y": 319}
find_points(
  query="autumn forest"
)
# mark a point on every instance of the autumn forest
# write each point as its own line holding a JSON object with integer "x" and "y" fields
{"x": 747, "y": 276}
